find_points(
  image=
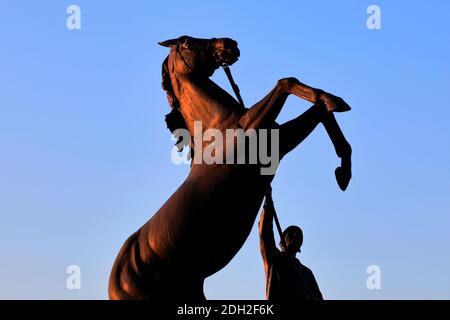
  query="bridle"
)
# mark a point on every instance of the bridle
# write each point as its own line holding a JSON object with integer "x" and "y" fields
{"x": 222, "y": 64}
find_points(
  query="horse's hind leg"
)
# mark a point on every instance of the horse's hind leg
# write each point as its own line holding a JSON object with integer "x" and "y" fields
{"x": 132, "y": 279}
{"x": 126, "y": 281}
{"x": 181, "y": 286}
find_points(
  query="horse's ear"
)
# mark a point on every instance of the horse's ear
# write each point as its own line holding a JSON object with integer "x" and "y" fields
{"x": 169, "y": 43}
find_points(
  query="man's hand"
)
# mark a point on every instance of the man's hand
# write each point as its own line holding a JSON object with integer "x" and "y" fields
{"x": 269, "y": 191}
{"x": 268, "y": 195}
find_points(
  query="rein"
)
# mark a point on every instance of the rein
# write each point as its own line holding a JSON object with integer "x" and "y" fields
{"x": 233, "y": 84}
{"x": 237, "y": 92}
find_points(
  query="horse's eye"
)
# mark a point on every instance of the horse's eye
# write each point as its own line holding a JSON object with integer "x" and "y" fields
{"x": 185, "y": 46}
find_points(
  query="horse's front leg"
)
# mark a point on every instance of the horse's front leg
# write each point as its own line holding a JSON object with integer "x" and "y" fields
{"x": 343, "y": 150}
{"x": 264, "y": 113}
{"x": 297, "y": 130}
{"x": 316, "y": 96}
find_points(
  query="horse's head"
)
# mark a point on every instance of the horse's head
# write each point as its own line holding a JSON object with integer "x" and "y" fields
{"x": 196, "y": 57}
{"x": 201, "y": 56}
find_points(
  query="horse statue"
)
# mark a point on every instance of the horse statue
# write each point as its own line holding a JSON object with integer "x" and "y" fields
{"x": 203, "y": 225}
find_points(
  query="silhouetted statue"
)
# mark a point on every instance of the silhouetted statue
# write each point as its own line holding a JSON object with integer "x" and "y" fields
{"x": 287, "y": 279}
{"x": 206, "y": 221}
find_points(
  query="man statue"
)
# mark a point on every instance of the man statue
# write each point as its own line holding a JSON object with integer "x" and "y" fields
{"x": 287, "y": 280}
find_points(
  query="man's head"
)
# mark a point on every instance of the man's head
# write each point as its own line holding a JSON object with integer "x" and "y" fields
{"x": 293, "y": 237}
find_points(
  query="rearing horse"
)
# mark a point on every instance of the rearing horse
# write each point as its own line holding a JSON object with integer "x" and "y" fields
{"x": 206, "y": 221}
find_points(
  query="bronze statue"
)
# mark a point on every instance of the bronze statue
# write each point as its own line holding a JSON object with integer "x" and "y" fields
{"x": 287, "y": 279}
{"x": 206, "y": 221}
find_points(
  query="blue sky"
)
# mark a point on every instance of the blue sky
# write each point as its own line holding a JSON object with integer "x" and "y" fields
{"x": 85, "y": 155}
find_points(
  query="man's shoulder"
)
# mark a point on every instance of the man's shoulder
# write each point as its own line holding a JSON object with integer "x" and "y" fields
{"x": 304, "y": 268}
{"x": 281, "y": 257}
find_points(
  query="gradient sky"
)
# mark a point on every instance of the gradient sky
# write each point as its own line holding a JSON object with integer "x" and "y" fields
{"x": 85, "y": 154}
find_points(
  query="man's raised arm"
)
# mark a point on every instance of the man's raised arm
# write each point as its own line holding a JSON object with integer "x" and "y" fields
{"x": 266, "y": 236}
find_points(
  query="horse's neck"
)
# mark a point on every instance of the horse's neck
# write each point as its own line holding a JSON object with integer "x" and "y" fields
{"x": 203, "y": 100}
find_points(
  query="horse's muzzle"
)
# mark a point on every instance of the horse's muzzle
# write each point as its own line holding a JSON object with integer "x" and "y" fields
{"x": 226, "y": 51}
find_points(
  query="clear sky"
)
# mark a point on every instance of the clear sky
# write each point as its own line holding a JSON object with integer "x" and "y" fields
{"x": 85, "y": 155}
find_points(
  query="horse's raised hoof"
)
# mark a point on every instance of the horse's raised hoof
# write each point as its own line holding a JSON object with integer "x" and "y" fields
{"x": 333, "y": 103}
{"x": 343, "y": 176}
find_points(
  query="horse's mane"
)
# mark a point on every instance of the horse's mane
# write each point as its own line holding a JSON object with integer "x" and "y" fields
{"x": 174, "y": 119}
